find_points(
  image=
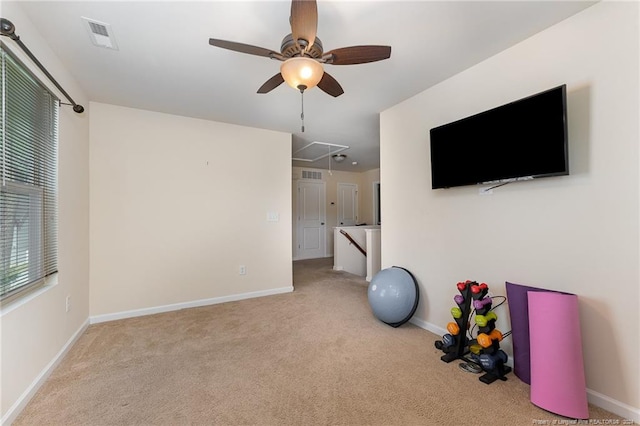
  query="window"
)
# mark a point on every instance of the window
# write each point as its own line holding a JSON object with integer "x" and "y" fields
{"x": 28, "y": 179}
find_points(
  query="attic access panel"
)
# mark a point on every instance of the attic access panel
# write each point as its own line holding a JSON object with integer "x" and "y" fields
{"x": 317, "y": 150}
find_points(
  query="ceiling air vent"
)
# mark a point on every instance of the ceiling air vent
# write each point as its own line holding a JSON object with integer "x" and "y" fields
{"x": 308, "y": 174}
{"x": 100, "y": 33}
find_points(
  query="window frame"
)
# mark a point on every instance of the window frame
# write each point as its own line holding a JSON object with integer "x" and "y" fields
{"x": 42, "y": 192}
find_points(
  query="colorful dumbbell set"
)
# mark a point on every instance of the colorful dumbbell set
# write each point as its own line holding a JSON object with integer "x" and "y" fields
{"x": 485, "y": 349}
{"x": 454, "y": 343}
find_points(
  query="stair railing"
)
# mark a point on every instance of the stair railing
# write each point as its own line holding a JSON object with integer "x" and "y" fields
{"x": 352, "y": 241}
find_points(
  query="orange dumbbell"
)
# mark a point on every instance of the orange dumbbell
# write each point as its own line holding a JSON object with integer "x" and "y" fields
{"x": 486, "y": 340}
{"x": 453, "y": 328}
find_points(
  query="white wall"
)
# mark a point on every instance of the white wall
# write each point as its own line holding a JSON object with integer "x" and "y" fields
{"x": 178, "y": 204}
{"x": 36, "y": 330}
{"x": 577, "y": 233}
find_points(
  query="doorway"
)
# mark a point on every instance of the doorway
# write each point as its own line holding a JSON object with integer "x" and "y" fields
{"x": 347, "y": 204}
{"x": 377, "y": 216}
{"x": 311, "y": 220}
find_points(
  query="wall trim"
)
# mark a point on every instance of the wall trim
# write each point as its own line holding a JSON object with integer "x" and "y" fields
{"x": 595, "y": 398}
{"x": 13, "y": 412}
{"x": 96, "y": 319}
{"x": 614, "y": 406}
{"x": 428, "y": 326}
{"x": 326, "y": 256}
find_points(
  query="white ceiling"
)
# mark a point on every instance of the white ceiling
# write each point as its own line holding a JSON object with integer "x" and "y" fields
{"x": 164, "y": 62}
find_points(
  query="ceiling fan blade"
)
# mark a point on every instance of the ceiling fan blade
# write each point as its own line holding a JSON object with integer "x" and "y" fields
{"x": 245, "y": 48}
{"x": 271, "y": 84}
{"x": 304, "y": 21}
{"x": 330, "y": 86}
{"x": 357, "y": 55}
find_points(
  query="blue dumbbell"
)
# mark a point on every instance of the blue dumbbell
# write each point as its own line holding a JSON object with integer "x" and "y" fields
{"x": 489, "y": 362}
{"x": 447, "y": 341}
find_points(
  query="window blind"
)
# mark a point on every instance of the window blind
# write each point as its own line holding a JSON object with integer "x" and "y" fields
{"x": 28, "y": 192}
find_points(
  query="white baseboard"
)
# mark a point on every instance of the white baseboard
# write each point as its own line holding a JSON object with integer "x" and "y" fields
{"x": 23, "y": 400}
{"x": 295, "y": 258}
{"x": 428, "y": 326}
{"x": 185, "y": 305}
{"x": 338, "y": 268}
{"x": 595, "y": 398}
{"x": 616, "y": 407}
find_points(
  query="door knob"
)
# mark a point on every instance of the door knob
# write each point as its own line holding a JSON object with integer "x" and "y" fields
{"x": 321, "y": 223}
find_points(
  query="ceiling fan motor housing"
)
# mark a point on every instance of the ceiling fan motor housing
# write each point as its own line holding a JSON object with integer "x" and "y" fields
{"x": 290, "y": 49}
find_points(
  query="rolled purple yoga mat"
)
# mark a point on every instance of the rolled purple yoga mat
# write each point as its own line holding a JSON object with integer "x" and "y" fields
{"x": 519, "y": 313}
{"x": 517, "y": 295}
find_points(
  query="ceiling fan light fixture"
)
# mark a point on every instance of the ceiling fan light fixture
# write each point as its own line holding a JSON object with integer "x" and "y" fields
{"x": 339, "y": 158}
{"x": 301, "y": 71}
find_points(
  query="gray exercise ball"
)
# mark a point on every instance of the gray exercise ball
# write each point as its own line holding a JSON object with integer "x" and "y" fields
{"x": 393, "y": 295}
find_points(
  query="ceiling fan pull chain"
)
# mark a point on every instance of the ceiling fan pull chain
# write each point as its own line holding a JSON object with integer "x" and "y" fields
{"x": 302, "y": 113}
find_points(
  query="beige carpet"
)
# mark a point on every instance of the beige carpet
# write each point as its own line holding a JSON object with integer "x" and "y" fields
{"x": 316, "y": 356}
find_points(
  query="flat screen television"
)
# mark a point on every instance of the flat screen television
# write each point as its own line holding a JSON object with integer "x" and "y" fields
{"x": 521, "y": 140}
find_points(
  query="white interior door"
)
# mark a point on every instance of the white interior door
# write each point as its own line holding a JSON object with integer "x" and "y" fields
{"x": 347, "y": 204}
{"x": 311, "y": 220}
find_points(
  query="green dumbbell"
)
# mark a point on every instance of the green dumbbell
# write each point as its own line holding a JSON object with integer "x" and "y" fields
{"x": 456, "y": 312}
{"x": 483, "y": 320}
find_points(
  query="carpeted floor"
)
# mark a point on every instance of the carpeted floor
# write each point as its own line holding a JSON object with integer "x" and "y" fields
{"x": 316, "y": 356}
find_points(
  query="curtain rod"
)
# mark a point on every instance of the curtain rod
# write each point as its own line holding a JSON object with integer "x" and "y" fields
{"x": 8, "y": 29}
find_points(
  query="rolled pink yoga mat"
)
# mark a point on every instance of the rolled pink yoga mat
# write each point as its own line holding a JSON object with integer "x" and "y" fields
{"x": 557, "y": 367}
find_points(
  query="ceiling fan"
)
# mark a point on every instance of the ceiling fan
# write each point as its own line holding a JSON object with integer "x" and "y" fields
{"x": 302, "y": 54}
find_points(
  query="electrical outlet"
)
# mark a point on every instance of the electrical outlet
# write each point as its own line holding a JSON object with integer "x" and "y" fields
{"x": 242, "y": 270}
{"x": 67, "y": 304}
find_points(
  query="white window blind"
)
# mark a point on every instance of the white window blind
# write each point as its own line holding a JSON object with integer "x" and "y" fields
{"x": 28, "y": 173}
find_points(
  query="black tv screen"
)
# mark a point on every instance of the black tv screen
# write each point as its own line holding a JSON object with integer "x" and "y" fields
{"x": 521, "y": 140}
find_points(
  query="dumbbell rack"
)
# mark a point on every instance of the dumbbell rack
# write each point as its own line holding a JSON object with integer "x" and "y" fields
{"x": 461, "y": 347}
{"x": 488, "y": 354}
{"x": 497, "y": 369}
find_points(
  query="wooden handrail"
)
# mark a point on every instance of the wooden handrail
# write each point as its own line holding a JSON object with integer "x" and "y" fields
{"x": 352, "y": 241}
